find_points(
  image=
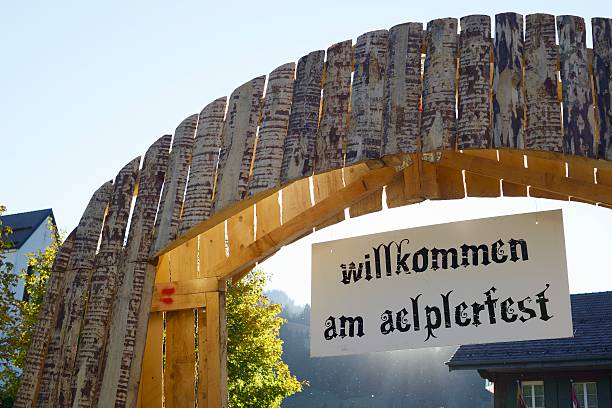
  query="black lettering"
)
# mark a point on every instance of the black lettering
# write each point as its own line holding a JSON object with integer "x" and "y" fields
{"x": 490, "y": 303}
{"x": 476, "y": 309}
{"x": 387, "y": 256}
{"x": 542, "y": 301}
{"x": 350, "y": 322}
{"x": 368, "y": 270}
{"x": 513, "y": 255}
{"x": 423, "y": 253}
{"x": 387, "y": 325}
{"x": 446, "y": 307}
{"x": 529, "y": 311}
{"x": 415, "y": 312}
{"x": 351, "y": 273}
{"x": 444, "y": 253}
{"x": 497, "y": 250}
{"x": 401, "y": 321}
{"x": 476, "y": 250}
{"x": 330, "y": 328}
{"x": 432, "y": 325}
{"x": 401, "y": 264}
{"x": 461, "y": 316}
{"x": 506, "y": 306}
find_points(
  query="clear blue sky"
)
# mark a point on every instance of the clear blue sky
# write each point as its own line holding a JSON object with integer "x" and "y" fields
{"x": 87, "y": 86}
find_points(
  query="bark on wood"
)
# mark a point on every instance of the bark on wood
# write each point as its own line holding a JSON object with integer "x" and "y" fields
{"x": 333, "y": 126}
{"x": 602, "y": 77}
{"x": 578, "y": 114}
{"x": 83, "y": 377}
{"x": 402, "y": 93}
{"x": 41, "y": 331}
{"x": 364, "y": 139}
{"x": 199, "y": 195}
{"x": 300, "y": 143}
{"x": 543, "y": 110}
{"x": 238, "y": 143}
{"x": 166, "y": 225}
{"x": 273, "y": 130}
{"x": 438, "y": 121}
{"x": 474, "y": 122}
{"x": 508, "y": 92}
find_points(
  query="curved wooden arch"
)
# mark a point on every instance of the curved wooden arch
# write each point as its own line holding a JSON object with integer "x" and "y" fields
{"x": 480, "y": 117}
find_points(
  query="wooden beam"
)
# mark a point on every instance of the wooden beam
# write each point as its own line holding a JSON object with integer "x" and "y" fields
{"x": 215, "y": 349}
{"x": 187, "y": 294}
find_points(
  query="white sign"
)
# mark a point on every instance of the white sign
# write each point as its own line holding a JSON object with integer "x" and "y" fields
{"x": 480, "y": 281}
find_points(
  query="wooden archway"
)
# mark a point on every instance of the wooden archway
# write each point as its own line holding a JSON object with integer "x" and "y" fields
{"x": 252, "y": 173}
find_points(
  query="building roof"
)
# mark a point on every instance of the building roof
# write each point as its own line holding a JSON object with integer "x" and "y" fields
{"x": 591, "y": 344}
{"x": 24, "y": 225}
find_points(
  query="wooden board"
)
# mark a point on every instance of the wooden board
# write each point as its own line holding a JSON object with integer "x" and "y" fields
{"x": 602, "y": 32}
{"x": 405, "y": 187}
{"x": 474, "y": 93}
{"x": 578, "y": 113}
{"x": 538, "y": 163}
{"x": 199, "y": 194}
{"x": 128, "y": 324}
{"x": 402, "y": 91}
{"x": 273, "y": 130}
{"x": 370, "y": 204}
{"x": 333, "y": 126}
{"x": 438, "y": 120}
{"x": 508, "y": 92}
{"x": 238, "y": 143}
{"x": 324, "y": 186}
{"x": 241, "y": 230}
{"x": 300, "y": 143}
{"x": 166, "y": 224}
{"x": 512, "y": 158}
{"x": 296, "y": 198}
{"x": 479, "y": 186}
{"x": 364, "y": 138}
{"x": 543, "y": 130}
{"x": 268, "y": 215}
{"x": 215, "y": 348}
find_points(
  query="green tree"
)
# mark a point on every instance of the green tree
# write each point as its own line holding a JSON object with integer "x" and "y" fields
{"x": 257, "y": 375}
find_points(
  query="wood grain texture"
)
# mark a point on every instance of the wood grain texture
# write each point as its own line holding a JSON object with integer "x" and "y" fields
{"x": 41, "y": 331}
{"x": 268, "y": 215}
{"x": 482, "y": 186}
{"x": 602, "y": 78}
{"x": 166, "y": 225}
{"x": 364, "y": 140}
{"x": 324, "y": 186}
{"x": 333, "y": 126}
{"x": 241, "y": 230}
{"x": 402, "y": 91}
{"x": 474, "y": 93}
{"x": 578, "y": 113}
{"x": 215, "y": 348}
{"x": 204, "y": 160}
{"x": 438, "y": 120}
{"x": 543, "y": 130}
{"x": 296, "y": 198}
{"x": 300, "y": 143}
{"x": 508, "y": 93}
{"x": 369, "y": 204}
{"x": 238, "y": 143}
{"x": 83, "y": 367}
{"x": 273, "y": 130}
{"x": 512, "y": 158}
{"x": 536, "y": 162}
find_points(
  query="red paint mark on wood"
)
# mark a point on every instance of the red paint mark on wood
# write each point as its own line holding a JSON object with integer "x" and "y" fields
{"x": 168, "y": 291}
{"x": 167, "y": 300}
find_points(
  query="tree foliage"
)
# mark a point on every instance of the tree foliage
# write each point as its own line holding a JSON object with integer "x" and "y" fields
{"x": 257, "y": 375}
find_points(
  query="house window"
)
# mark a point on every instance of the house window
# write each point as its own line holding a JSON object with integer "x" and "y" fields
{"x": 533, "y": 394}
{"x": 586, "y": 393}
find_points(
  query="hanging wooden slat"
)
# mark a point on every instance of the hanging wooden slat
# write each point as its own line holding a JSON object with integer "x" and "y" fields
{"x": 438, "y": 120}
{"x": 474, "y": 93}
{"x": 402, "y": 92}
{"x": 199, "y": 194}
{"x": 130, "y": 313}
{"x": 370, "y": 204}
{"x": 578, "y": 114}
{"x": 268, "y": 214}
{"x": 300, "y": 143}
{"x": 41, "y": 331}
{"x": 273, "y": 130}
{"x": 579, "y": 168}
{"x": 540, "y": 162}
{"x": 508, "y": 92}
{"x": 512, "y": 158}
{"x": 80, "y": 377}
{"x": 296, "y": 198}
{"x": 238, "y": 143}
{"x": 364, "y": 138}
{"x": 477, "y": 185}
{"x": 405, "y": 187}
{"x": 241, "y": 230}
{"x": 602, "y": 77}
{"x": 324, "y": 186}
{"x": 333, "y": 126}
{"x": 543, "y": 130}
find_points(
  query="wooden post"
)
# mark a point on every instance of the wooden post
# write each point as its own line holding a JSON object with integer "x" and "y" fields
{"x": 216, "y": 350}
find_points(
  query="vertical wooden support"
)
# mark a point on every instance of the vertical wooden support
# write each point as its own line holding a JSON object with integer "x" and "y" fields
{"x": 370, "y": 204}
{"x": 300, "y": 143}
{"x": 216, "y": 350}
{"x": 438, "y": 119}
{"x": 296, "y": 198}
{"x": 578, "y": 113}
{"x": 543, "y": 109}
{"x": 333, "y": 125}
{"x": 402, "y": 93}
{"x": 512, "y": 158}
{"x": 474, "y": 101}
{"x": 268, "y": 215}
{"x": 508, "y": 92}
{"x": 325, "y": 185}
{"x": 602, "y": 77}
{"x": 366, "y": 120}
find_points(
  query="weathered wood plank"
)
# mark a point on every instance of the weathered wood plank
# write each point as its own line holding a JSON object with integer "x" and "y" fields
{"x": 578, "y": 113}
{"x": 508, "y": 93}
{"x": 402, "y": 93}
{"x": 273, "y": 130}
{"x": 296, "y": 198}
{"x": 602, "y": 77}
{"x": 512, "y": 159}
{"x": 324, "y": 186}
{"x": 546, "y": 165}
{"x": 543, "y": 130}
{"x": 166, "y": 225}
{"x": 238, "y": 143}
{"x": 41, "y": 331}
{"x": 474, "y": 93}
{"x": 364, "y": 140}
{"x": 333, "y": 126}
{"x": 199, "y": 194}
{"x": 369, "y": 204}
{"x": 438, "y": 120}
{"x": 83, "y": 366}
{"x": 268, "y": 214}
{"x": 477, "y": 185}
{"x": 300, "y": 143}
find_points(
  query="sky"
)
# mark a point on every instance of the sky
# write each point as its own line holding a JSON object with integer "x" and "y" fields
{"x": 87, "y": 86}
